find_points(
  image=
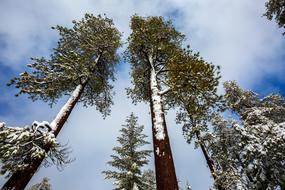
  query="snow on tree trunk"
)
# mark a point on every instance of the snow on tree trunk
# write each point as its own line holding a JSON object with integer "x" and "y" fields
{"x": 164, "y": 166}
{"x": 157, "y": 108}
{"x": 20, "y": 179}
{"x": 65, "y": 111}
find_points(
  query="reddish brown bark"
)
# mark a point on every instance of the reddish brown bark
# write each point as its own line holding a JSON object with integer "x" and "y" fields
{"x": 207, "y": 157}
{"x": 164, "y": 165}
{"x": 209, "y": 161}
{"x": 20, "y": 179}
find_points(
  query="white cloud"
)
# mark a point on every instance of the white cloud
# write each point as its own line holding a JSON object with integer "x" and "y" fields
{"x": 233, "y": 34}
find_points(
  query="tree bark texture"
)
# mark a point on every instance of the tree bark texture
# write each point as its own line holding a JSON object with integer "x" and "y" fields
{"x": 164, "y": 165}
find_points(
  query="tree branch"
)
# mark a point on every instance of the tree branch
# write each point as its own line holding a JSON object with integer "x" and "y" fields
{"x": 165, "y": 91}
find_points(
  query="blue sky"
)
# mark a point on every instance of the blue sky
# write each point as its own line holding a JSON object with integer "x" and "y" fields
{"x": 229, "y": 33}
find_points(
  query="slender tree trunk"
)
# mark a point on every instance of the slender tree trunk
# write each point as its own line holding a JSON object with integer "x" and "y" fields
{"x": 208, "y": 159}
{"x": 206, "y": 155}
{"x": 164, "y": 166}
{"x": 20, "y": 179}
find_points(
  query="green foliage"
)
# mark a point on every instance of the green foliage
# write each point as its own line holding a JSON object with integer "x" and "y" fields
{"x": 85, "y": 54}
{"x": 276, "y": 9}
{"x": 43, "y": 185}
{"x": 129, "y": 157}
{"x": 152, "y": 43}
{"x": 21, "y": 145}
{"x": 193, "y": 83}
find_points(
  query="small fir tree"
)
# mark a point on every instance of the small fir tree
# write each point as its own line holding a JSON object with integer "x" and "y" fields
{"x": 82, "y": 66}
{"x": 129, "y": 158}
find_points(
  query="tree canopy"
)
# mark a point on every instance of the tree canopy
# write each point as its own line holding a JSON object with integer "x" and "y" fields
{"x": 85, "y": 54}
{"x": 152, "y": 38}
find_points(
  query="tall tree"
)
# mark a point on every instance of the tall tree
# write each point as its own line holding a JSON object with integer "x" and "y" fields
{"x": 276, "y": 9}
{"x": 129, "y": 157}
{"x": 82, "y": 66}
{"x": 193, "y": 84}
{"x": 250, "y": 151}
{"x": 152, "y": 43}
{"x": 43, "y": 185}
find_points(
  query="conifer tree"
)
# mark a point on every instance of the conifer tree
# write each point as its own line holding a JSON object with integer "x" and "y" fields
{"x": 129, "y": 158}
{"x": 43, "y": 185}
{"x": 249, "y": 152}
{"x": 193, "y": 84}
{"x": 152, "y": 43}
{"x": 81, "y": 66}
{"x": 276, "y": 9}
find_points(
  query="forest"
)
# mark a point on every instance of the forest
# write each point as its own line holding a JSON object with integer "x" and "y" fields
{"x": 239, "y": 133}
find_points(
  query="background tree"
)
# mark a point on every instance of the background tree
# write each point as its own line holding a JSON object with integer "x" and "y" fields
{"x": 81, "y": 66}
{"x": 129, "y": 158}
{"x": 193, "y": 84}
{"x": 43, "y": 185}
{"x": 276, "y": 9}
{"x": 250, "y": 151}
{"x": 152, "y": 43}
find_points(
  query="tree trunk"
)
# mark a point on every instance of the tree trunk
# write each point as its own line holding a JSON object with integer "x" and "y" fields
{"x": 164, "y": 166}
{"x": 208, "y": 159}
{"x": 20, "y": 179}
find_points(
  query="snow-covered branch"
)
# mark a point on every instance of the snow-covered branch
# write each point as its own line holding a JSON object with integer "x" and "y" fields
{"x": 165, "y": 91}
{"x": 20, "y": 145}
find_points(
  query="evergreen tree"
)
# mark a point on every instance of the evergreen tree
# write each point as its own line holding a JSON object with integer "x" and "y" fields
{"x": 249, "y": 152}
{"x": 276, "y": 9}
{"x": 193, "y": 84}
{"x": 129, "y": 157}
{"x": 82, "y": 66}
{"x": 152, "y": 44}
{"x": 43, "y": 185}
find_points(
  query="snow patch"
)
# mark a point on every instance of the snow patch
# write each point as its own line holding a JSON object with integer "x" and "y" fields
{"x": 2, "y": 124}
{"x": 157, "y": 151}
{"x": 157, "y": 108}
{"x": 67, "y": 107}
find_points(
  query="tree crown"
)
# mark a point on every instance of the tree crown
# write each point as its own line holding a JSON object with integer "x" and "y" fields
{"x": 152, "y": 43}
{"x": 85, "y": 54}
